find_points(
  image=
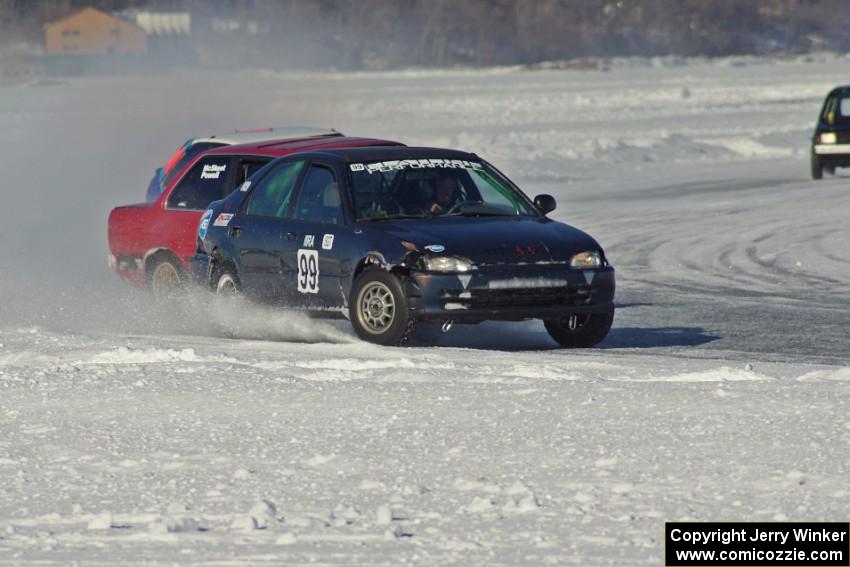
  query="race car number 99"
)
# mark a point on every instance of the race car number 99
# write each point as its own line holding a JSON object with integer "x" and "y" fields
{"x": 308, "y": 271}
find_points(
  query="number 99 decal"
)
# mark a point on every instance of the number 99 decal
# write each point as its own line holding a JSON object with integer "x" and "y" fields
{"x": 308, "y": 271}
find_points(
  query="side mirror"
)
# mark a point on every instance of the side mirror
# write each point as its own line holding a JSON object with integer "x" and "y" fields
{"x": 545, "y": 203}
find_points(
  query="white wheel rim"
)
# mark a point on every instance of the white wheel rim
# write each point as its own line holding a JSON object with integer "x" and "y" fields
{"x": 226, "y": 286}
{"x": 376, "y": 308}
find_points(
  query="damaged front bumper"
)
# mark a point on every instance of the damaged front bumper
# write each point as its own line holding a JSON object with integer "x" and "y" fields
{"x": 506, "y": 293}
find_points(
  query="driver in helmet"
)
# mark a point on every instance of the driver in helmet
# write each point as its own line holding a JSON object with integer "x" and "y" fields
{"x": 446, "y": 194}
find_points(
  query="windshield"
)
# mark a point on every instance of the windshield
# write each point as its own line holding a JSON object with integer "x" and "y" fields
{"x": 844, "y": 107}
{"x": 425, "y": 188}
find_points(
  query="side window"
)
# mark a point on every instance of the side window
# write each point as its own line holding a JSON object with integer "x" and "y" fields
{"x": 844, "y": 107}
{"x": 829, "y": 110}
{"x": 272, "y": 196}
{"x": 249, "y": 168}
{"x": 204, "y": 183}
{"x": 186, "y": 154}
{"x": 495, "y": 193}
{"x": 318, "y": 199}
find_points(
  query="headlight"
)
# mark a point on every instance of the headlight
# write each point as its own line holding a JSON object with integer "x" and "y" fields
{"x": 446, "y": 264}
{"x": 828, "y": 138}
{"x": 585, "y": 260}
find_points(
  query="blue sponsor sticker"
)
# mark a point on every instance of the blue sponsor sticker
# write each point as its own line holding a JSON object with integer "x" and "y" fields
{"x": 205, "y": 224}
{"x": 435, "y": 248}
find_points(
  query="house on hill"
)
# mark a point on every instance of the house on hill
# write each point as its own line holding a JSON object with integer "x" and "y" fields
{"x": 90, "y": 31}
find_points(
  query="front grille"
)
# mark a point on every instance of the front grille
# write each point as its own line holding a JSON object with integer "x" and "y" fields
{"x": 521, "y": 297}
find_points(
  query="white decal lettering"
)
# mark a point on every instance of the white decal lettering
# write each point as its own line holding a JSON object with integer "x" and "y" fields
{"x": 398, "y": 165}
{"x": 212, "y": 171}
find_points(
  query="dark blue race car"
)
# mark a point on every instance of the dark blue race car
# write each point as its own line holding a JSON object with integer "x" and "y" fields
{"x": 388, "y": 237}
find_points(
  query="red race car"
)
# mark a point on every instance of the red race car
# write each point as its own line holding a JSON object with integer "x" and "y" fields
{"x": 194, "y": 146}
{"x": 150, "y": 243}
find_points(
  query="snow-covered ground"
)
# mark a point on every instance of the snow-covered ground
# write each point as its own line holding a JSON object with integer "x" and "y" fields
{"x": 136, "y": 433}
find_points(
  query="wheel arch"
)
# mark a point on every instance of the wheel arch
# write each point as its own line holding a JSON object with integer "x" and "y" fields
{"x": 220, "y": 262}
{"x": 370, "y": 260}
{"x": 153, "y": 256}
{"x": 375, "y": 260}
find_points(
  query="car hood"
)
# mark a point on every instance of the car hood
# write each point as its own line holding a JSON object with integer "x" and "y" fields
{"x": 491, "y": 240}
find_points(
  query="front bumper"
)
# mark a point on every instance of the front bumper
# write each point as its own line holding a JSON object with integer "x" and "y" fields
{"x": 511, "y": 293}
{"x": 832, "y": 149}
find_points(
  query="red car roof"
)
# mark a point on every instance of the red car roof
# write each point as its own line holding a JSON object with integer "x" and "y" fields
{"x": 279, "y": 148}
{"x": 286, "y": 147}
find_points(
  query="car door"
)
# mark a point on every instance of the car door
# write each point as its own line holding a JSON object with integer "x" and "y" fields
{"x": 260, "y": 233}
{"x": 314, "y": 255}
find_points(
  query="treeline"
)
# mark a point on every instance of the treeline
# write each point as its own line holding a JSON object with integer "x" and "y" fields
{"x": 391, "y": 33}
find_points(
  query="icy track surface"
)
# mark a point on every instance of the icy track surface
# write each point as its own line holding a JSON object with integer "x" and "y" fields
{"x": 209, "y": 434}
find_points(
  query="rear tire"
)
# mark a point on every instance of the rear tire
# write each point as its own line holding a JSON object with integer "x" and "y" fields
{"x": 378, "y": 310}
{"x": 580, "y": 331}
{"x": 817, "y": 167}
{"x": 227, "y": 290}
{"x": 166, "y": 277}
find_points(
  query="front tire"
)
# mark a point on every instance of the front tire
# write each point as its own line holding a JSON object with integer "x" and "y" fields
{"x": 580, "y": 331}
{"x": 379, "y": 310}
{"x": 226, "y": 283}
{"x": 817, "y": 167}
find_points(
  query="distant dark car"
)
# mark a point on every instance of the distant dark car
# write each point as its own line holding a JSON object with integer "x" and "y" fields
{"x": 831, "y": 140}
{"x": 390, "y": 236}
